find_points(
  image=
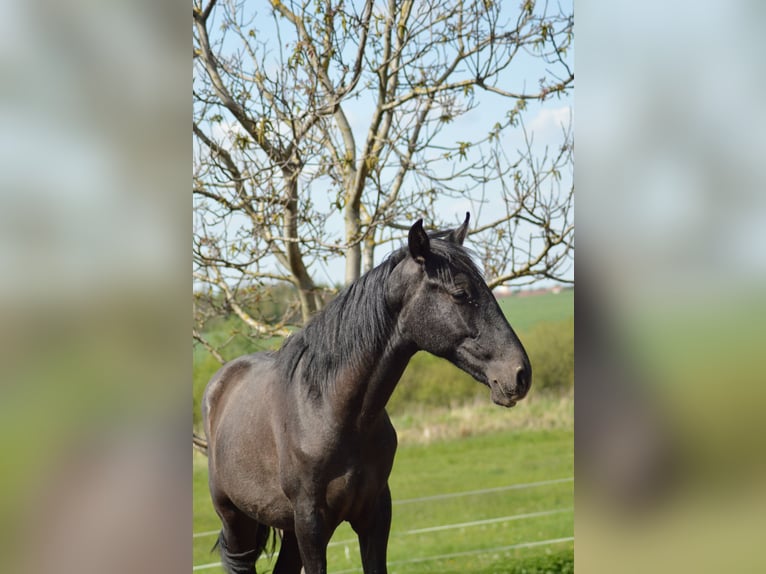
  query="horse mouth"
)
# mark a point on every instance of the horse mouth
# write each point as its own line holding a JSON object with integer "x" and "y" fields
{"x": 507, "y": 404}
{"x": 501, "y": 398}
{"x": 503, "y": 401}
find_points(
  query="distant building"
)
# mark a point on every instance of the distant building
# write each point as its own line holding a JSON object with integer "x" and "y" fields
{"x": 502, "y": 291}
{"x": 505, "y": 291}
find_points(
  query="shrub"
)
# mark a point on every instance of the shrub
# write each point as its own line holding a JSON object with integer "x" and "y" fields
{"x": 430, "y": 381}
{"x": 550, "y": 346}
{"x": 433, "y": 382}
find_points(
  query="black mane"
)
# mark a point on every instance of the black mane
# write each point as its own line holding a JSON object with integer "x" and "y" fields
{"x": 357, "y": 324}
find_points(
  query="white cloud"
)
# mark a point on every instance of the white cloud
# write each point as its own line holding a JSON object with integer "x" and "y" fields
{"x": 548, "y": 123}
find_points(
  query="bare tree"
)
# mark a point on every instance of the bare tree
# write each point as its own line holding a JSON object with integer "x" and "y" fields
{"x": 315, "y": 116}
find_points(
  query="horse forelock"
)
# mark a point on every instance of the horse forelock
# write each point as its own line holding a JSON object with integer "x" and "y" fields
{"x": 450, "y": 259}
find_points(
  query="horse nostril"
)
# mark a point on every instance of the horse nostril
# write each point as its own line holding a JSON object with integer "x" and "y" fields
{"x": 522, "y": 379}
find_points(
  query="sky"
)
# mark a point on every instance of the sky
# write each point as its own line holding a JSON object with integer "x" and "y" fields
{"x": 542, "y": 121}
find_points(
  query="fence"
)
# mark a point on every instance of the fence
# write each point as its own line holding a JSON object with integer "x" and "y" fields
{"x": 443, "y": 527}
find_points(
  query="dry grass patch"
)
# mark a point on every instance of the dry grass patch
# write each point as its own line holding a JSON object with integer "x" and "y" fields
{"x": 537, "y": 412}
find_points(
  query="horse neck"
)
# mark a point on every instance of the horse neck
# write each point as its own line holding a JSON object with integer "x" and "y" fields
{"x": 375, "y": 386}
{"x": 361, "y": 353}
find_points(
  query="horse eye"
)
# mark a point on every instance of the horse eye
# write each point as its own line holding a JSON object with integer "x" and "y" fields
{"x": 460, "y": 296}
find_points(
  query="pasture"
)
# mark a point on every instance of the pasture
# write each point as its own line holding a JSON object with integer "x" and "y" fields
{"x": 524, "y": 312}
{"x": 489, "y": 503}
{"x": 476, "y": 488}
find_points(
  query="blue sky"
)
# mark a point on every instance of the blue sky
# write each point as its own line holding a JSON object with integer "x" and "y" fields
{"x": 542, "y": 121}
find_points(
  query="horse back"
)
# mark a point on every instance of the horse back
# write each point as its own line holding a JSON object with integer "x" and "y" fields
{"x": 227, "y": 384}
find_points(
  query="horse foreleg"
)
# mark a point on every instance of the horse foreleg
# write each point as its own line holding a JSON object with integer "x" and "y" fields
{"x": 373, "y": 535}
{"x": 312, "y": 532}
{"x": 289, "y": 560}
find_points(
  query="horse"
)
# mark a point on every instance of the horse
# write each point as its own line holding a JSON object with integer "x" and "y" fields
{"x": 299, "y": 439}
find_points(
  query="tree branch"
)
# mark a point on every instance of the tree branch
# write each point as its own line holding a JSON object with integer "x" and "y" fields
{"x": 210, "y": 349}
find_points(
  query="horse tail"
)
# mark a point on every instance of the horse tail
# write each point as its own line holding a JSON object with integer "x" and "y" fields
{"x": 244, "y": 562}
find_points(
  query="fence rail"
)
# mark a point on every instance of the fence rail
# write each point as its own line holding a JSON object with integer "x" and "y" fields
{"x": 517, "y": 486}
{"x": 443, "y": 527}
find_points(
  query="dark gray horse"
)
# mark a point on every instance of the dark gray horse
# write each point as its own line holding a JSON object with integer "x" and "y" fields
{"x": 299, "y": 439}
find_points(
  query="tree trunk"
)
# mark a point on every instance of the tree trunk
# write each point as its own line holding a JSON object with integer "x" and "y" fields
{"x": 302, "y": 279}
{"x": 354, "y": 249}
{"x": 368, "y": 255}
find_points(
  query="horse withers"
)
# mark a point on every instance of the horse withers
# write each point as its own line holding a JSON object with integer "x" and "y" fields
{"x": 299, "y": 439}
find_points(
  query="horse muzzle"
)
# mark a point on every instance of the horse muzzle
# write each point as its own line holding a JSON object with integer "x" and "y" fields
{"x": 507, "y": 390}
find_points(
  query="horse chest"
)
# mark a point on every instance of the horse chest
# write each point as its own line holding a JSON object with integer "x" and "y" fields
{"x": 343, "y": 488}
{"x": 349, "y": 468}
{"x": 351, "y": 493}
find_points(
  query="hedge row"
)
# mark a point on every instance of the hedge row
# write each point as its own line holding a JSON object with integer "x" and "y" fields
{"x": 433, "y": 382}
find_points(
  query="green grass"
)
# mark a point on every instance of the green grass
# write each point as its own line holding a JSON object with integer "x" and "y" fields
{"x": 452, "y": 466}
{"x": 524, "y": 312}
{"x": 453, "y": 440}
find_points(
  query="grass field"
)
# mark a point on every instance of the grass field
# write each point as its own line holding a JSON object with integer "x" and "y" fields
{"x": 524, "y": 312}
{"x": 489, "y": 524}
{"x": 463, "y": 448}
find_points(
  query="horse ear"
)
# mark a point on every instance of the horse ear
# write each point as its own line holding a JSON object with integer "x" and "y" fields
{"x": 418, "y": 242}
{"x": 458, "y": 235}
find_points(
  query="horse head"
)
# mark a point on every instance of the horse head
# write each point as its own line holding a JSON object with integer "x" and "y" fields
{"x": 446, "y": 308}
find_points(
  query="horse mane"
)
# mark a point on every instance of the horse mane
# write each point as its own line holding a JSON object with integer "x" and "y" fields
{"x": 357, "y": 324}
